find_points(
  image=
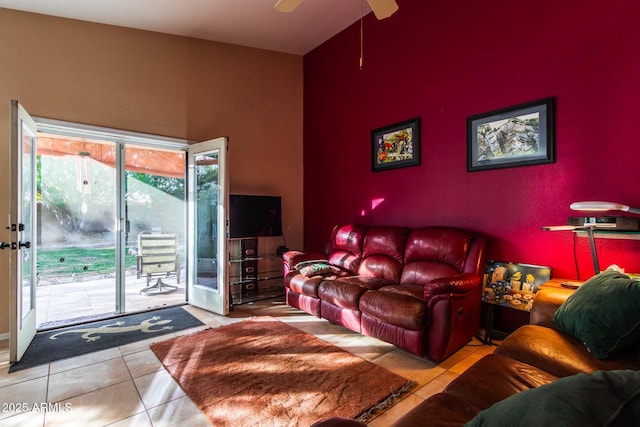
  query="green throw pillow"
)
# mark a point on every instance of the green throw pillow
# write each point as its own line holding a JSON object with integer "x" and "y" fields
{"x": 603, "y": 398}
{"x": 603, "y": 313}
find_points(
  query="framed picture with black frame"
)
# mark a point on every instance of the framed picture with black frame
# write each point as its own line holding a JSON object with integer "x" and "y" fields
{"x": 521, "y": 135}
{"x": 396, "y": 146}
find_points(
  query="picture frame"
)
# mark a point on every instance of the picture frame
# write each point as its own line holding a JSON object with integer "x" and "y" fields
{"x": 513, "y": 285}
{"x": 521, "y": 135}
{"x": 396, "y": 146}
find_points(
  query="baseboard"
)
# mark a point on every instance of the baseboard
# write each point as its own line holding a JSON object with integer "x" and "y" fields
{"x": 4, "y": 336}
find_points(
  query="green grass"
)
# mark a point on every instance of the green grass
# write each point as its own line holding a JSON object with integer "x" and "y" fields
{"x": 73, "y": 260}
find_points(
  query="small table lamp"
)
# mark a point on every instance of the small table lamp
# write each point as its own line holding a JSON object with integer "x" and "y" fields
{"x": 603, "y": 206}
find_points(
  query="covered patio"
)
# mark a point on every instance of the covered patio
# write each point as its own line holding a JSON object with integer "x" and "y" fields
{"x": 80, "y": 301}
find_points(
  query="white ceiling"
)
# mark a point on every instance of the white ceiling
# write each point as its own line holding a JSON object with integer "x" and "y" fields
{"x": 253, "y": 23}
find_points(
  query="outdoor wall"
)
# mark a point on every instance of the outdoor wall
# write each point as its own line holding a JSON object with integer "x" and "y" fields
{"x": 159, "y": 84}
{"x": 444, "y": 61}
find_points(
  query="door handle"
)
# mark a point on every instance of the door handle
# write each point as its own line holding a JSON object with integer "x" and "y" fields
{"x": 7, "y": 245}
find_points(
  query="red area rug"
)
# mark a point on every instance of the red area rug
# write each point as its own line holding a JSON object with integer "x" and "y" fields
{"x": 263, "y": 372}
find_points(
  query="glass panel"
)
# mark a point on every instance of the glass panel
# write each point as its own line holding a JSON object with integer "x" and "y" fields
{"x": 26, "y": 253}
{"x": 76, "y": 229}
{"x": 155, "y": 227}
{"x": 206, "y": 227}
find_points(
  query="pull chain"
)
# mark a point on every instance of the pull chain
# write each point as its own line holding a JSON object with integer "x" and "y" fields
{"x": 361, "y": 36}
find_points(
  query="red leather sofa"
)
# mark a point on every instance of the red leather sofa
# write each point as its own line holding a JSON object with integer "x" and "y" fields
{"x": 416, "y": 288}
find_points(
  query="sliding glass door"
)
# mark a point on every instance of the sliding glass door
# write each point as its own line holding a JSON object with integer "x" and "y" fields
{"x": 98, "y": 194}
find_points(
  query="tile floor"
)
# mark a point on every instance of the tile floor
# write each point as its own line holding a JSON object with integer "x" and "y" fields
{"x": 127, "y": 386}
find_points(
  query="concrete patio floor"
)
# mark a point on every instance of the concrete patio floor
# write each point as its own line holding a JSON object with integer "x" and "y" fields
{"x": 84, "y": 299}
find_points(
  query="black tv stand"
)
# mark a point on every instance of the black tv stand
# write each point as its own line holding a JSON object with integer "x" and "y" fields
{"x": 255, "y": 269}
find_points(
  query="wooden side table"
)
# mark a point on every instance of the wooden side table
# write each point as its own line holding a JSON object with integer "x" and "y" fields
{"x": 520, "y": 301}
{"x": 562, "y": 283}
{"x": 489, "y": 331}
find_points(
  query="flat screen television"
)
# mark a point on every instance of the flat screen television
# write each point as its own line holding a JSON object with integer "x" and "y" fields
{"x": 254, "y": 216}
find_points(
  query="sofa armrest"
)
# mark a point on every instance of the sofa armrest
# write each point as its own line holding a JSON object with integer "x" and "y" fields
{"x": 461, "y": 283}
{"x": 292, "y": 258}
{"x": 546, "y": 303}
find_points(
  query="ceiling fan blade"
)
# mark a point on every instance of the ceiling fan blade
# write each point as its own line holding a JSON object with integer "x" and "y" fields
{"x": 287, "y": 5}
{"x": 383, "y": 8}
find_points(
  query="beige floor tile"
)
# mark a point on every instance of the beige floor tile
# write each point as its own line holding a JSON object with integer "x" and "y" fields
{"x": 211, "y": 324}
{"x": 276, "y": 308}
{"x": 179, "y": 412}
{"x": 139, "y": 420}
{"x": 463, "y": 365}
{"x": 157, "y": 388}
{"x": 436, "y": 385}
{"x": 7, "y": 378}
{"x": 142, "y": 363}
{"x": 21, "y": 397}
{"x": 392, "y": 414}
{"x": 99, "y": 408}
{"x": 320, "y": 328}
{"x": 27, "y": 419}
{"x": 203, "y": 315}
{"x": 409, "y": 366}
{"x": 456, "y": 357}
{"x": 84, "y": 360}
{"x": 74, "y": 382}
{"x": 485, "y": 349}
{"x": 138, "y": 346}
{"x": 366, "y": 347}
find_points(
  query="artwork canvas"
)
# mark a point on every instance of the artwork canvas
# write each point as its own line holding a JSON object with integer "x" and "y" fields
{"x": 515, "y": 136}
{"x": 396, "y": 146}
{"x": 513, "y": 285}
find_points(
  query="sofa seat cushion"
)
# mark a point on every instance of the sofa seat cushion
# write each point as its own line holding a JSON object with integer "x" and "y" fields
{"x": 302, "y": 284}
{"x": 415, "y": 291}
{"x": 513, "y": 376}
{"x": 440, "y": 410}
{"x": 558, "y": 353}
{"x": 396, "y": 309}
{"x": 346, "y": 292}
{"x": 602, "y": 398}
{"x": 308, "y": 284}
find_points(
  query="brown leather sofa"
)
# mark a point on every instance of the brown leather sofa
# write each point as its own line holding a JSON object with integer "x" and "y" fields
{"x": 534, "y": 355}
{"x": 418, "y": 289}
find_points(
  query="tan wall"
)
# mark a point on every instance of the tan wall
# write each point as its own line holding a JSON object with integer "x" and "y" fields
{"x": 160, "y": 84}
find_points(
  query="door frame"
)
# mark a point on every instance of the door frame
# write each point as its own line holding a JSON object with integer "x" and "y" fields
{"x": 218, "y": 300}
{"x": 218, "y": 304}
{"x": 22, "y": 326}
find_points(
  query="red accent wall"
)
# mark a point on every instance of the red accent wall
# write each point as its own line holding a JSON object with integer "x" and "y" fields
{"x": 443, "y": 61}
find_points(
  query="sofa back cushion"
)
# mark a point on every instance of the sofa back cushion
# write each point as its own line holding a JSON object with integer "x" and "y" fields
{"x": 345, "y": 247}
{"x": 434, "y": 252}
{"x": 383, "y": 251}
